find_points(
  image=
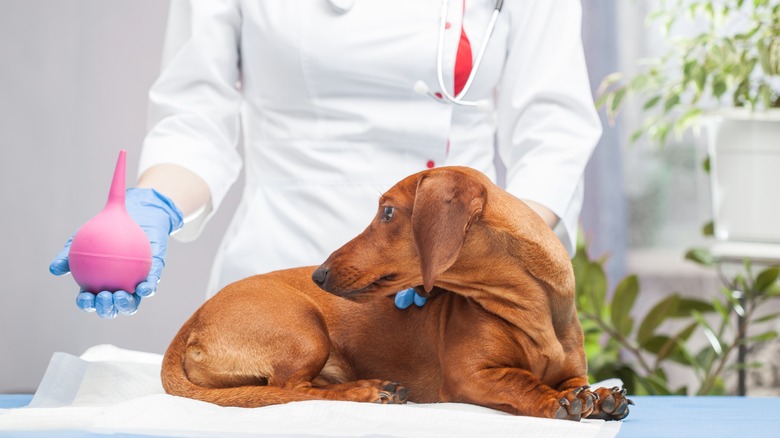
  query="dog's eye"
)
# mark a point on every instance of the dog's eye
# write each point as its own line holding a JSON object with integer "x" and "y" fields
{"x": 387, "y": 213}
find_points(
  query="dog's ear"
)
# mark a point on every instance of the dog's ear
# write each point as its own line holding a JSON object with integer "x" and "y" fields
{"x": 445, "y": 204}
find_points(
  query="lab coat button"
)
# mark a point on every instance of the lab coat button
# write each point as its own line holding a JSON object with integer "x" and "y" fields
{"x": 430, "y": 164}
{"x": 447, "y": 25}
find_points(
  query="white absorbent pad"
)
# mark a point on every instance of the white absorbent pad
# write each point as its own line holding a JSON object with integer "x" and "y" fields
{"x": 111, "y": 390}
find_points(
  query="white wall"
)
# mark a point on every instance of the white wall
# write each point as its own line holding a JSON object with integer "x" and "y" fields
{"x": 73, "y": 91}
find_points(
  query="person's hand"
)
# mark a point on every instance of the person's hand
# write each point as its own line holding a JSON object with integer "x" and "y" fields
{"x": 158, "y": 217}
{"x": 406, "y": 297}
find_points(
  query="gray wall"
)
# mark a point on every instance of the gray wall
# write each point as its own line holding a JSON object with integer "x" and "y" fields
{"x": 73, "y": 91}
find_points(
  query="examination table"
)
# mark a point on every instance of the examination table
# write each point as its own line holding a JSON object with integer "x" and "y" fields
{"x": 66, "y": 400}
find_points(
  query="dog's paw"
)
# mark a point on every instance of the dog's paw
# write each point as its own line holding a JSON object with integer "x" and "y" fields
{"x": 392, "y": 393}
{"x": 612, "y": 404}
{"x": 575, "y": 404}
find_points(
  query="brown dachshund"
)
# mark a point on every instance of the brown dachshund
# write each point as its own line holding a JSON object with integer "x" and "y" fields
{"x": 502, "y": 331}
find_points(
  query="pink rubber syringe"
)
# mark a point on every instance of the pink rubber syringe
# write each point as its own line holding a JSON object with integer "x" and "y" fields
{"x": 111, "y": 252}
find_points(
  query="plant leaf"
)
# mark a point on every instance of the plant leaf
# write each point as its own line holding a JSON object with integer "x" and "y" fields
{"x": 657, "y": 385}
{"x": 653, "y": 101}
{"x": 617, "y": 100}
{"x": 673, "y": 345}
{"x": 686, "y": 358}
{"x": 722, "y": 310}
{"x": 701, "y": 256}
{"x": 768, "y": 336}
{"x": 656, "y": 316}
{"x": 746, "y": 366}
{"x": 687, "y": 305}
{"x": 601, "y": 100}
{"x": 591, "y": 285}
{"x": 765, "y": 92}
{"x": 699, "y": 74}
{"x": 712, "y": 338}
{"x": 655, "y": 343}
{"x": 635, "y": 136}
{"x": 705, "y": 358}
{"x": 607, "y": 81}
{"x": 719, "y": 87}
{"x": 688, "y": 119}
{"x": 622, "y": 304}
{"x": 671, "y": 102}
{"x": 766, "y": 279}
{"x": 766, "y": 318}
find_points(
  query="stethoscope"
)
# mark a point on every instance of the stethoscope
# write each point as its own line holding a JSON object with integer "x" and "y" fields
{"x": 444, "y": 96}
{"x": 422, "y": 88}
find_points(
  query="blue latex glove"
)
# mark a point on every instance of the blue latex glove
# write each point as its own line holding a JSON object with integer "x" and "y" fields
{"x": 158, "y": 217}
{"x": 406, "y": 297}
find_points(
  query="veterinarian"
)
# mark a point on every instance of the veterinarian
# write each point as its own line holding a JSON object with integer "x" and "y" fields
{"x": 334, "y": 101}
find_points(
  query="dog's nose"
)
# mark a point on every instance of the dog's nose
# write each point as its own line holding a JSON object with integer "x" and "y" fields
{"x": 320, "y": 275}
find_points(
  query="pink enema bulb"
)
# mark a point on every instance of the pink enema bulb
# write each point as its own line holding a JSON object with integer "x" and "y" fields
{"x": 111, "y": 252}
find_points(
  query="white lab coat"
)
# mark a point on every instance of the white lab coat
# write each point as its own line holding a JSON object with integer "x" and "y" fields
{"x": 324, "y": 104}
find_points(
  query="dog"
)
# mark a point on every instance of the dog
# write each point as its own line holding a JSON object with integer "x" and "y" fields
{"x": 500, "y": 329}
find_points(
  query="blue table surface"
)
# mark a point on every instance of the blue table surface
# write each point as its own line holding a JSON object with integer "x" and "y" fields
{"x": 652, "y": 417}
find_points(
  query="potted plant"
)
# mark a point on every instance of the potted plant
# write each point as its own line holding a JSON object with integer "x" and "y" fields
{"x": 721, "y": 70}
{"x": 644, "y": 352}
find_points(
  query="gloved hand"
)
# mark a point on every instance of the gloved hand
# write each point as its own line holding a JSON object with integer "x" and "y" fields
{"x": 158, "y": 217}
{"x": 406, "y": 297}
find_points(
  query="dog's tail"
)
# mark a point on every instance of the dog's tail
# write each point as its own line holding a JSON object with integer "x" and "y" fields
{"x": 175, "y": 381}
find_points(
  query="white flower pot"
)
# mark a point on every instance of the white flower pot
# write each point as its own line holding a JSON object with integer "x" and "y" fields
{"x": 744, "y": 150}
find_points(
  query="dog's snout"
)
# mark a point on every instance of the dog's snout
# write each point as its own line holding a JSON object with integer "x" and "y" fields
{"x": 320, "y": 275}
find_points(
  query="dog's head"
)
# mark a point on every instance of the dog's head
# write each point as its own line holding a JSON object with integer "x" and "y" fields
{"x": 417, "y": 234}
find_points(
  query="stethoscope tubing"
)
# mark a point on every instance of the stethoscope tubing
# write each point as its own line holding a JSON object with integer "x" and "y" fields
{"x": 458, "y": 99}
{"x": 444, "y": 96}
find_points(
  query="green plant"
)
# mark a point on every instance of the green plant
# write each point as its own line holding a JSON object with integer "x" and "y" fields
{"x": 742, "y": 296}
{"x": 731, "y": 59}
{"x": 641, "y": 354}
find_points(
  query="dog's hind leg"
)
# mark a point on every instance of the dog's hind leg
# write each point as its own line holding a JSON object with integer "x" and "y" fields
{"x": 271, "y": 356}
{"x": 336, "y": 382}
{"x": 224, "y": 379}
{"x": 372, "y": 391}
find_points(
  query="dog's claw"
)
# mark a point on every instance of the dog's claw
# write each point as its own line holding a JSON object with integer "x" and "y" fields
{"x": 386, "y": 398}
{"x": 589, "y": 402}
{"x": 580, "y": 389}
{"x": 575, "y": 404}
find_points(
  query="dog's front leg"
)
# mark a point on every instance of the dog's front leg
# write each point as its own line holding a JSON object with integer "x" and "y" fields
{"x": 516, "y": 391}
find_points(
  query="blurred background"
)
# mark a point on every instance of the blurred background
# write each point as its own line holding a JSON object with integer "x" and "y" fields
{"x": 73, "y": 91}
